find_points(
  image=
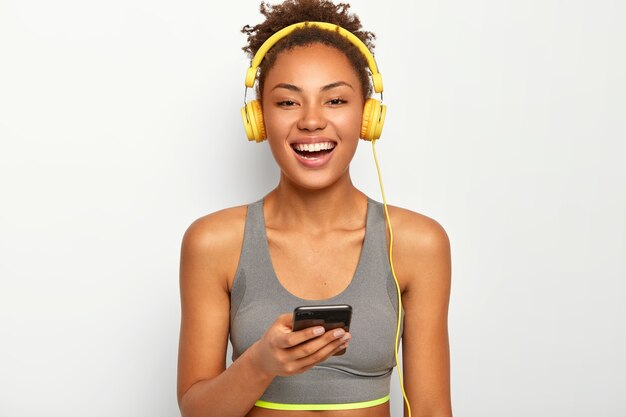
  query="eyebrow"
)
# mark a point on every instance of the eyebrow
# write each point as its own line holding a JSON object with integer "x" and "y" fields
{"x": 327, "y": 87}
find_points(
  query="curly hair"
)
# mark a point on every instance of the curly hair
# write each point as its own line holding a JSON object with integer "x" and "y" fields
{"x": 289, "y": 12}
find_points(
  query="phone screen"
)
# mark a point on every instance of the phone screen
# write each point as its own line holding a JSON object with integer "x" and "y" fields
{"x": 328, "y": 316}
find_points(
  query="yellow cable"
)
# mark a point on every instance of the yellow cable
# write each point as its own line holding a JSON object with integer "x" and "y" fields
{"x": 393, "y": 272}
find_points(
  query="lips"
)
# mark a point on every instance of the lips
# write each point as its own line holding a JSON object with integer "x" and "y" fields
{"x": 313, "y": 154}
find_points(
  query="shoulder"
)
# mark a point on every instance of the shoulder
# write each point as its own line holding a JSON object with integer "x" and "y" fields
{"x": 216, "y": 229}
{"x": 213, "y": 242}
{"x": 421, "y": 247}
{"x": 418, "y": 231}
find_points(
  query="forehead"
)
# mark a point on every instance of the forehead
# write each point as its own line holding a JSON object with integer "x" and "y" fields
{"x": 312, "y": 66}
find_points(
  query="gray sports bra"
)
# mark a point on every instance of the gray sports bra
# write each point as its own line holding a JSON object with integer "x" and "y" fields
{"x": 360, "y": 377}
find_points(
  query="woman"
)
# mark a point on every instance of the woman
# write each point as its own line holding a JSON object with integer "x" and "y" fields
{"x": 314, "y": 239}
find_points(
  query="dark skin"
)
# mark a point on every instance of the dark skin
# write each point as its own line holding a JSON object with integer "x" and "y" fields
{"x": 314, "y": 213}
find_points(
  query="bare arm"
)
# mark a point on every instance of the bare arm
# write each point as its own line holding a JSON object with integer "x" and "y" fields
{"x": 209, "y": 256}
{"x": 424, "y": 270}
{"x": 203, "y": 382}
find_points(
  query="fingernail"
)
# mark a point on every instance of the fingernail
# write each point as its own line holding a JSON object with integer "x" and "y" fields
{"x": 318, "y": 331}
{"x": 345, "y": 337}
{"x": 338, "y": 332}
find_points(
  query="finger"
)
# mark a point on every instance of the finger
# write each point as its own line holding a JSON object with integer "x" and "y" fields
{"x": 284, "y": 322}
{"x": 292, "y": 339}
{"x": 285, "y": 338}
{"x": 322, "y": 354}
{"x": 320, "y": 346}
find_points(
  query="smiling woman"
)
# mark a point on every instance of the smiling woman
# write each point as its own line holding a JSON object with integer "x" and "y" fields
{"x": 314, "y": 239}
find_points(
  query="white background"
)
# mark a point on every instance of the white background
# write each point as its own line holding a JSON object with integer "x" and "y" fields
{"x": 120, "y": 125}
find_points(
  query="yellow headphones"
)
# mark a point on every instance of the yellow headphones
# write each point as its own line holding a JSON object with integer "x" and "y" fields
{"x": 373, "y": 111}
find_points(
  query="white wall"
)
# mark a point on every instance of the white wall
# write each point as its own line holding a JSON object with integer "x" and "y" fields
{"x": 119, "y": 125}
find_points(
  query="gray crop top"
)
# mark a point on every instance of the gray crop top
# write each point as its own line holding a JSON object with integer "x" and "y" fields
{"x": 360, "y": 377}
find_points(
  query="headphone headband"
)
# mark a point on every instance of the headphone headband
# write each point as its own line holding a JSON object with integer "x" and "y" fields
{"x": 377, "y": 79}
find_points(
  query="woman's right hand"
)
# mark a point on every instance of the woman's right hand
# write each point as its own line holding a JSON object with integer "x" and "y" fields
{"x": 283, "y": 352}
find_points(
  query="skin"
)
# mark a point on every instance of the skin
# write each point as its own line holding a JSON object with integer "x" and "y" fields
{"x": 311, "y": 93}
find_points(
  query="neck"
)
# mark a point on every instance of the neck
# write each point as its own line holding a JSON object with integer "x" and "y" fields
{"x": 340, "y": 205}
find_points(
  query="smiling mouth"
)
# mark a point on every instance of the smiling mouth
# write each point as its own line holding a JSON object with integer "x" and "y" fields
{"x": 313, "y": 150}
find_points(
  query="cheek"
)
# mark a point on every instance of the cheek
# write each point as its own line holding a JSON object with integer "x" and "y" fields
{"x": 349, "y": 124}
{"x": 276, "y": 123}
{"x": 277, "y": 128}
{"x": 358, "y": 119}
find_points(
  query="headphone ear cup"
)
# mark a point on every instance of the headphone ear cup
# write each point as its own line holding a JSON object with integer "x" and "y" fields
{"x": 373, "y": 119}
{"x": 252, "y": 116}
{"x": 246, "y": 123}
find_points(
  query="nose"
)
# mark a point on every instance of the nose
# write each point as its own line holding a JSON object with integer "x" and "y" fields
{"x": 312, "y": 118}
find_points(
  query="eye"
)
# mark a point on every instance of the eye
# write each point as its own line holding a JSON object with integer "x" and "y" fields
{"x": 336, "y": 101}
{"x": 286, "y": 103}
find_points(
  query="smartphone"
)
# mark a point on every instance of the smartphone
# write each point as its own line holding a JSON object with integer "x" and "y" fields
{"x": 330, "y": 317}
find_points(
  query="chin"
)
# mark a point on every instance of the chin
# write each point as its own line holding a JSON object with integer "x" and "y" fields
{"x": 313, "y": 181}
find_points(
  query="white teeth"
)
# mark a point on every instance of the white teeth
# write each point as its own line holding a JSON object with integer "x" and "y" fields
{"x": 313, "y": 147}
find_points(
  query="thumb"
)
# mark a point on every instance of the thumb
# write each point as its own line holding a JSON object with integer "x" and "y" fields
{"x": 284, "y": 322}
